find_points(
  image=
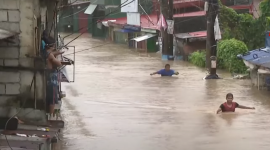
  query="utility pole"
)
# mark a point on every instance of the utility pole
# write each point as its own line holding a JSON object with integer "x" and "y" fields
{"x": 170, "y": 38}
{"x": 166, "y": 7}
{"x": 164, "y": 34}
{"x": 211, "y": 43}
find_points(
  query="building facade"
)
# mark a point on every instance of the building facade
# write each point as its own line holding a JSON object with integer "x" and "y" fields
{"x": 25, "y": 19}
{"x": 190, "y": 22}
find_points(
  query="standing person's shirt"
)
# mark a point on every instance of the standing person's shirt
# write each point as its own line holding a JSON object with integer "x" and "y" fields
{"x": 164, "y": 72}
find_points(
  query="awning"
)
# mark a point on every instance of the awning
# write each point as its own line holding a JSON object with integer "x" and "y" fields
{"x": 91, "y": 8}
{"x": 105, "y": 23}
{"x": 6, "y": 34}
{"x": 198, "y": 34}
{"x": 64, "y": 75}
{"x": 144, "y": 37}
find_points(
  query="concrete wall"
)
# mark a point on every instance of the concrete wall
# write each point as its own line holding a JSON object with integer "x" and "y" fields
{"x": 18, "y": 16}
{"x": 256, "y": 8}
{"x": 186, "y": 48}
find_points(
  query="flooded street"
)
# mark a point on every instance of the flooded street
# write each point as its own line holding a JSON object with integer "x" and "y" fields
{"x": 115, "y": 104}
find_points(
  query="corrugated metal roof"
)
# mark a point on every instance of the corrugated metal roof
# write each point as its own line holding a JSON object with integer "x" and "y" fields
{"x": 191, "y": 35}
{"x": 191, "y": 14}
{"x": 144, "y": 37}
{"x": 6, "y": 34}
{"x": 260, "y": 57}
{"x": 145, "y": 23}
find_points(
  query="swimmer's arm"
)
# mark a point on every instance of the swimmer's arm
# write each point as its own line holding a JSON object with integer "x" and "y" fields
{"x": 54, "y": 60}
{"x": 245, "y": 107}
{"x": 154, "y": 73}
{"x": 157, "y": 72}
{"x": 219, "y": 110}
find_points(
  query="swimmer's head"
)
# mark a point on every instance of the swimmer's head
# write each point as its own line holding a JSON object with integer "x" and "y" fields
{"x": 229, "y": 97}
{"x": 167, "y": 66}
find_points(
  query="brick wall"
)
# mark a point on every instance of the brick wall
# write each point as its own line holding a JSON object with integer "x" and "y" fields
{"x": 18, "y": 16}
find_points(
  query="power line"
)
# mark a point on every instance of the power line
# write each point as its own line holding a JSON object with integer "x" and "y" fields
{"x": 75, "y": 13}
{"x": 88, "y": 48}
{"x": 109, "y": 14}
{"x": 120, "y": 6}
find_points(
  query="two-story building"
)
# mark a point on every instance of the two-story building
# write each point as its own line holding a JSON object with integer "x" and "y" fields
{"x": 114, "y": 25}
{"x": 190, "y": 22}
{"x": 23, "y": 72}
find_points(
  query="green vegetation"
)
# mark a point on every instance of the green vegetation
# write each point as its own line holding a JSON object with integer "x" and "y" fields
{"x": 240, "y": 33}
{"x": 244, "y": 27}
{"x": 198, "y": 58}
{"x": 227, "y": 55}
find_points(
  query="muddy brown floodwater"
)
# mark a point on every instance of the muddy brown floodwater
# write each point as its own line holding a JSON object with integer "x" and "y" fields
{"x": 115, "y": 104}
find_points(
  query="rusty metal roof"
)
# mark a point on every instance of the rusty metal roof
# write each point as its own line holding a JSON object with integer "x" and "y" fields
{"x": 198, "y": 34}
{"x": 190, "y": 14}
{"x": 6, "y": 34}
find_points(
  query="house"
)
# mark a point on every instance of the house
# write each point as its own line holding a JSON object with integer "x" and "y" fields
{"x": 99, "y": 10}
{"x": 22, "y": 71}
{"x": 142, "y": 37}
{"x": 73, "y": 19}
{"x": 190, "y": 22}
{"x": 24, "y": 20}
{"x": 258, "y": 63}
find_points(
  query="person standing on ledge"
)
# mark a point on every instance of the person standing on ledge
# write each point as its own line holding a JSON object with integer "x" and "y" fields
{"x": 230, "y": 106}
{"x": 166, "y": 72}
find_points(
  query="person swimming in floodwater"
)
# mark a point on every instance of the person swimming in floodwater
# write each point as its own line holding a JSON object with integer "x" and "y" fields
{"x": 166, "y": 72}
{"x": 230, "y": 106}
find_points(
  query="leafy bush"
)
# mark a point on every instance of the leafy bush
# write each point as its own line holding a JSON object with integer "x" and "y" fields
{"x": 198, "y": 58}
{"x": 244, "y": 27}
{"x": 227, "y": 55}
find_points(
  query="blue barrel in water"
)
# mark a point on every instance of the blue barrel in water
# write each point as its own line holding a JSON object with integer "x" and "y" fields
{"x": 267, "y": 39}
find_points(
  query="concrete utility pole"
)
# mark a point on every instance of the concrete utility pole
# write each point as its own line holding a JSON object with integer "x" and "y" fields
{"x": 166, "y": 7}
{"x": 170, "y": 38}
{"x": 211, "y": 43}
